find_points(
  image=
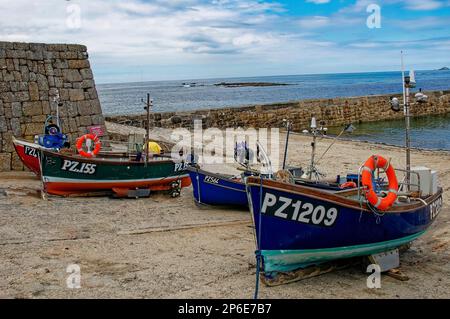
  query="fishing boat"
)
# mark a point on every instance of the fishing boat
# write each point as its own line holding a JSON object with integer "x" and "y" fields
{"x": 217, "y": 189}
{"x": 299, "y": 227}
{"x": 29, "y": 153}
{"x": 229, "y": 190}
{"x": 65, "y": 175}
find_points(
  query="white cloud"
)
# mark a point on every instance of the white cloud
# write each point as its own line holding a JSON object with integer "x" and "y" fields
{"x": 423, "y": 5}
{"x": 193, "y": 38}
{"x": 318, "y": 1}
{"x": 314, "y": 22}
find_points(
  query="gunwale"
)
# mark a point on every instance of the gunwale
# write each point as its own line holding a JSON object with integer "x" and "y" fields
{"x": 337, "y": 198}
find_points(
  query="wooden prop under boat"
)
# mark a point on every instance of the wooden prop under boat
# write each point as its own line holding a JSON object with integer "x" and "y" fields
{"x": 67, "y": 174}
{"x": 298, "y": 226}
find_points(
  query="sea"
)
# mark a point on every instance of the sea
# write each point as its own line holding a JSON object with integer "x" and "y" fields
{"x": 432, "y": 132}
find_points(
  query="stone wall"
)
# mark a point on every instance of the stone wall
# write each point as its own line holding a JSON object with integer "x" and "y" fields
{"x": 334, "y": 112}
{"x": 31, "y": 75}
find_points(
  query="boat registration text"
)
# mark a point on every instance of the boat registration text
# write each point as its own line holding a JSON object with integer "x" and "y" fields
{"x": 77, "y": 167}
{"x": 298, "y": 211}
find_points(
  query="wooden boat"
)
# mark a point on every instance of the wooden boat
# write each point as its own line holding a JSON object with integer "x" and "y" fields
{"x": 29, "y": 153}
{"x": 229, "y": 190}
{"x": 217, "y": 189}
{"x": 298, "y": 226}
{"x": 68, "y": 174}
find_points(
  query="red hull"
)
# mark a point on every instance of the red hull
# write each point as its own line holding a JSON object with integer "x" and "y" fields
{"x": 67, "y": 188}
{"x": 29, "y": 156}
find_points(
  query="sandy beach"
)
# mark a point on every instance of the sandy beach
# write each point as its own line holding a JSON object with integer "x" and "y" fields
{"x": 169, "y": 248}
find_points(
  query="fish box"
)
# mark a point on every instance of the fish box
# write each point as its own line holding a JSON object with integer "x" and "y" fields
{"x": 421, "y": 177}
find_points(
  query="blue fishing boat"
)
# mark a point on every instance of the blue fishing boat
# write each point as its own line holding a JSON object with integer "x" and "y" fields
{"x": 298, "y": 226}
{"x": 217, "y": 189}
{"x": 229, "y": 190}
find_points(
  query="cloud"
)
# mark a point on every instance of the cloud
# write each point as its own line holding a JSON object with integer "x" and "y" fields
{"x": 197, "y": 38}
{"x": 314, "y": 22}
{"x": 318, "y": 1}
{"x": 423, "y": 5}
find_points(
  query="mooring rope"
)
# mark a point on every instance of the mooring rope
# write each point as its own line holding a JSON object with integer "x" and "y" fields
{"x": 258, "y": 251}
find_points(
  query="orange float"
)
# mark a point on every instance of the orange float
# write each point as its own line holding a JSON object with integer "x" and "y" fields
{"x": 381, "y": 203}
{"x": 81, "y": 141}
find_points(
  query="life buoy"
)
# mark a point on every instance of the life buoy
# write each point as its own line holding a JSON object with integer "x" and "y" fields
{"x": 381, "y": 203}
{"x": 348, "y": 185}
{"x": 93, "y": 138}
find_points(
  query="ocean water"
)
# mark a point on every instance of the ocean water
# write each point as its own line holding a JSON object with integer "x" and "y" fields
{"x": 427, "y": 132}
{"x": 125, "y": 98}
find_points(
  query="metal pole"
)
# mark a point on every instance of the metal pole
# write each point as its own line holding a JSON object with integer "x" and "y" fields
{"x": 407, "y": 124}
{"x": 313, "y": 145}
{"x": 288, "y": 126}
{"x": 148, "y": 129}
{"x": 408, "y": 140}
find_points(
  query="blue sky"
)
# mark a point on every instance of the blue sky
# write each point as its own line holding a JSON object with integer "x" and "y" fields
{"x": 138, "y": 40}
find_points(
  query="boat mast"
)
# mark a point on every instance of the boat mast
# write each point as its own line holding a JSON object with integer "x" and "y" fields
{"x": 288, "y": 127}
{"x": 313, "y": 145}
{"x": 147, "y": 139}
{"x": 406, "y": 86}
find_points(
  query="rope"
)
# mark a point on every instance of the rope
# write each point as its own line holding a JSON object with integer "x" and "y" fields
{"x": 329, "y": 146}
{"x": 258, "y": 251}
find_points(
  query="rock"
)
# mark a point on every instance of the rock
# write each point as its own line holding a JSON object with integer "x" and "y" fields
{"x": 76, "y": 95}
{"x": 33, "y": 129}
{"x": 42, "y": 82}
{"x": 87, "y": 84}
{"x": 16, "y": 162}
{"x": 68, "y": 55}
{"x": 15, "y": 126}
{"x": 56, "y": 47}
{"x": 85, "y": 108}
{"x": 5, "y": 162}
{"x": 32, "y": 108}
{"x": 4, "y": 87}
{"x": 86, "y": 74}
{"x": 3, "y": 125}
{"x": 79, "y": 64}
{"x": 71, "y": 75}
{"x": 85, "y": 121}
{"x": 33, "y": 89}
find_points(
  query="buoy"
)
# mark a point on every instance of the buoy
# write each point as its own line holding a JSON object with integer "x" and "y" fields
{"x": 93, "y": 138}
{"x": 154, "y": 148}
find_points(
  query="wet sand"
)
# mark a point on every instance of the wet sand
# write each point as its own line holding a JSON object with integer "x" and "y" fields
{"x": 169, "y": 248}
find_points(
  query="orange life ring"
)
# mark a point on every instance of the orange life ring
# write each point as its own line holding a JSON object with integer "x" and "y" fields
{"x": 348, "y": 185}
{"x": 381, "y": 203}
{"x": 96, "y": 141}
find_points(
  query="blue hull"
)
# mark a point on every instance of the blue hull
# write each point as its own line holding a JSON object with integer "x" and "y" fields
{"x": 214, "y": 189}
{"x": 297, "y": 227}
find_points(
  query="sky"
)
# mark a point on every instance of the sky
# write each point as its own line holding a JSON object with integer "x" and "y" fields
{"x": 145, "y": 40}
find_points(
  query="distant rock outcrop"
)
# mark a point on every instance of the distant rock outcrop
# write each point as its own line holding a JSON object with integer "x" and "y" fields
{"x": 444, "y": 69}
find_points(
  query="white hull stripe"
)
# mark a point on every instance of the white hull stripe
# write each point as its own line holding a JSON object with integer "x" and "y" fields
{"x": 49, "y": 179}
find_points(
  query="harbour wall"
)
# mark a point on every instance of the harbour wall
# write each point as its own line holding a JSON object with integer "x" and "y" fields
{"x": 31, "y": 76}
{"x": 335, "y": 112}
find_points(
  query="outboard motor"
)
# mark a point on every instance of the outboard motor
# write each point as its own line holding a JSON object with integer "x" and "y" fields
{"x": 53, "y": 138}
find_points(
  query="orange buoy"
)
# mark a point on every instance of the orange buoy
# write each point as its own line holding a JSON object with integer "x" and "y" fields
{"x": 93, "y": 138}
{"x": 381, "y": 203}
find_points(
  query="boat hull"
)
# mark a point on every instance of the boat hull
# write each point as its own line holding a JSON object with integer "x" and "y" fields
{"x": 215, "y": 189}
{"x": 29, "y": 155}
{"x": 66, "y": 175}
{"x": 296, "y": 227}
